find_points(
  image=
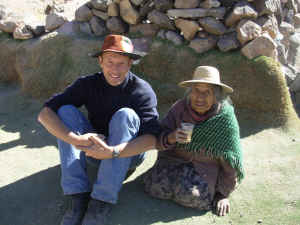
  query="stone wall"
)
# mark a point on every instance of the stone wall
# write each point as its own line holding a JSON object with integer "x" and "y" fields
{"x": 260, "y": 27}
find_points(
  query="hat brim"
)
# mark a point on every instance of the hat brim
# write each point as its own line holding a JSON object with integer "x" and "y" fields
{"x": 133, "y": 56}
{"x": 189, "y": 83}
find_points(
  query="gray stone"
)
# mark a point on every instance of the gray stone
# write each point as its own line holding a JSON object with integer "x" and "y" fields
{"x": 163, "y": 5}
{"x": 286, "y": 29}
{"x": 161, "y": 19}
{"x": 207, "y": 4}
{"x": 54, "y": 21}
{"x": 263, "y": 45}
{"x": 297, "y": 21}
{"x": 201, "y": 45}
{"x": 22, "y": 32}
{"x": 183, "y": 4}
{"x": 83, "y": 14}
{"x": 8, "y": 25}
{"x": 213, "y": 26}
{"x": 289, "y": 74}
{"x": 269, "y": 24}
{"x": 98, "y": 26}
{"x": 100, "y": 4}
{"x": 195, "y": 13}
{"x": 100, "y": 14}
{"x": 294, "y": 51}
{"x": 228, "y": 42}
{"x": 268, "y": 7}
{"x": 137, "y": 2}
{"x": 85, "y": 28}
{"x": 116, "y": 25}
{"x": 247, "y": 30}
{"x": 295, "y": 85}
{"x": 174, "y": 37}
{"x": 146, "y": 8}
{"x": 146, "y": 29}
{"x": 242, "y": 10}
{"x": 128, "y": 13}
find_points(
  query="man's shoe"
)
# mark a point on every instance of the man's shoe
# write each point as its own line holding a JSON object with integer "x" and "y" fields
{"x": 75, "y": 213}
{"x": 97, "y": 213}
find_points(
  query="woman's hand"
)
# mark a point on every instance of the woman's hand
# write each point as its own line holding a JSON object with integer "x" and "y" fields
{"x": 222, "y": 207}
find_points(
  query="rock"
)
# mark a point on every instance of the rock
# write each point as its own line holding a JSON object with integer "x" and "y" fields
{"x": 213, "y": 26}
{"x": 294, "y": 51}
{"x": 3, "y": 12}
{"x": 116, "y": 25}
{"x": 128, "y": 13}
{"x": 263, "y": 45}
{"x": 85, "y": 28}
{"x": 269, "y": 24}
{"x": 297, "y": 21}
{"x": 242, "y": 10}
{"x": 207, "y": 4}
{"x": 113, "y": 9}
{"x": 289, "y": 74}
{"x": 100, "y": 14}
{"x": 286, "y": 29}
{"x": 183, "y": 4}
{"x": 267, "y": 7}
{"x": 247, "y": 31}
{"x": 22, "y": 32}
{"x": 99, "y": 4}
{"x": 98, "y": 26}
{"x": 174, "y": 37}
{"x": 146, "y": 8}
{"x": 83, "y": 14}
{"x": 161, "y": 19}
{"x": 71, "y": 28}
{"x": 218, "y": 13}
{"x": 137, "y": 2}
{"x": 163, "y": 5}
{"x": 201, "y": 45}
{"x": 187, "y": 27}
{"x": 8, "y": 25}
{"x": 54, "y": 21}
{"x": 145, "y": 29}
{"x": 228, "y": 42}
{"x": 295, "y": 85}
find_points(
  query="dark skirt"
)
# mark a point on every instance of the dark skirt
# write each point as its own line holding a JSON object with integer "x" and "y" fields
{"x": 178, "y": 181}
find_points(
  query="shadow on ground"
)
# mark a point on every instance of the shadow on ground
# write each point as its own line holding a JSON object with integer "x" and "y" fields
{"x": 38, "y": 200}
{"x": 18, "y": 114}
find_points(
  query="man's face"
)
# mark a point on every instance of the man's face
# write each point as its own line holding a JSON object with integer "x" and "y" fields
{"x": 115, "y": 67}
{"x": 202, "y": 97}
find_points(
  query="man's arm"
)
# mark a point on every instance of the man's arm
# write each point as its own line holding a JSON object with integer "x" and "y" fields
{"x": 49, "y": 119}
{"x": 100, "y": 150}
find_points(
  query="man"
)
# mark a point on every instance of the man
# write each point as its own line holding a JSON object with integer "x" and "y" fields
{"x": 121, "y": 107}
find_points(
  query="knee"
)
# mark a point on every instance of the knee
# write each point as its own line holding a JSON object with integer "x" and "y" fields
{"x": 66, "y": 110}
{"x": 124, "y": 116}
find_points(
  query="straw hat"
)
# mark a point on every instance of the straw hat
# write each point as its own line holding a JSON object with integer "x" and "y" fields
{"x": 119, "y": 44}
{"x": 208, "y": 75}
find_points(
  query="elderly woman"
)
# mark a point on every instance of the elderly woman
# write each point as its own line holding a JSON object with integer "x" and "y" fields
{"x": 198, "y": 170}
{"x": 202, "y": 172}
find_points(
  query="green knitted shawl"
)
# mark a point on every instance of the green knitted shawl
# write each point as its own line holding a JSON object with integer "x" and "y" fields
{"x": 220, "y": 137}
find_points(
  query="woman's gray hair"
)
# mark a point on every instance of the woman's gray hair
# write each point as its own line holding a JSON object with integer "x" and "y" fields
{"x": 220, "y": 95}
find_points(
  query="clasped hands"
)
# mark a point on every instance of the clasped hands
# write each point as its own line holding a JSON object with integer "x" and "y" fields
{"x": 94, "y": 146}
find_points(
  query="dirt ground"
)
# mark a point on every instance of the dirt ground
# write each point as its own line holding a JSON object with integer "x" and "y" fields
{"x": 30, "y": 192}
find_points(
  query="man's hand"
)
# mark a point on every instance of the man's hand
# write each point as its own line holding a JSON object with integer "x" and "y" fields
{"x": 222, "y": 207}
{"x": 84, "y": 139}
{"x": 98, "y": 150}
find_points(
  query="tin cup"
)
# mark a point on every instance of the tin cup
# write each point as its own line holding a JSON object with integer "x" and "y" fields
{"x": 188, "y": 129}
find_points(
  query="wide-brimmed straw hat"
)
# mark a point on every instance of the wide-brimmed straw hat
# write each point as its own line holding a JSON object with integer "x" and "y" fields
{"x": 208, "y": 75}
{"x": 119, "y": 44}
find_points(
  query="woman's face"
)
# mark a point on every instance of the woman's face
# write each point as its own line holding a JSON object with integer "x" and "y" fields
{"x": 202, "y": 97}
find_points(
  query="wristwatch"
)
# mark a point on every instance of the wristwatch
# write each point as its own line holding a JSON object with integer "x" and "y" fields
{"x": 115, "y": 153}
